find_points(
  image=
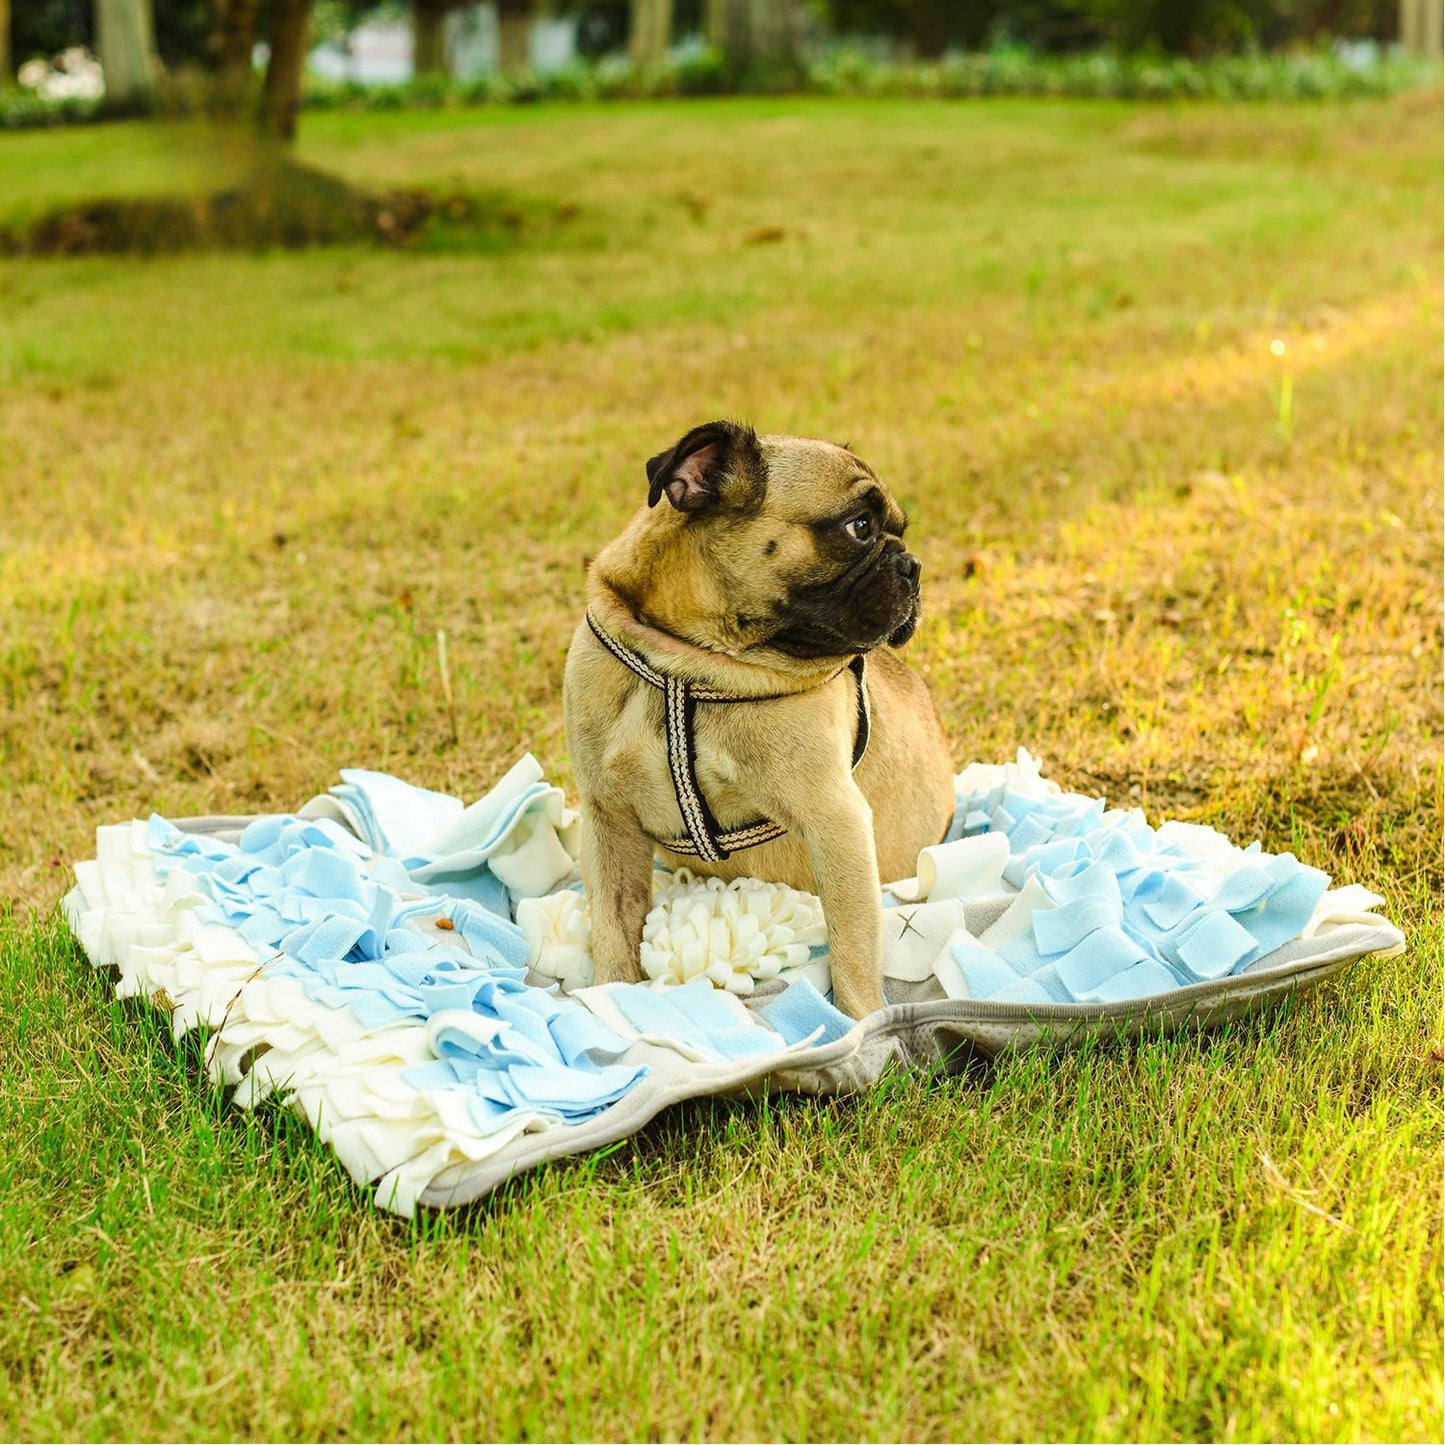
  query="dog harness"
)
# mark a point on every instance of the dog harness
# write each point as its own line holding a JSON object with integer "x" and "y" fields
{"x": 705, "y": 839}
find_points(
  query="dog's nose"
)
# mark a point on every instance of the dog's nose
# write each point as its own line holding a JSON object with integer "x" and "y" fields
{"x": 908, "y": 565}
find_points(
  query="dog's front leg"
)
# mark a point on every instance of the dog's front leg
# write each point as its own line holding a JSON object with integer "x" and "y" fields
{"x": 839, "y": 839}
{"x": 617, "y": 873}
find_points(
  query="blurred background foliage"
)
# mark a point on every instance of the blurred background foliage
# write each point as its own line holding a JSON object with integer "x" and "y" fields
{"x": 925, "y": 28}
{"x": 1181, "y": 27}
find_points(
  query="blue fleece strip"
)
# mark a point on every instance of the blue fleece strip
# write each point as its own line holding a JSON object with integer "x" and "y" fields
{"x": 694, "y": 1014}
{"x": 800, "y": 1010}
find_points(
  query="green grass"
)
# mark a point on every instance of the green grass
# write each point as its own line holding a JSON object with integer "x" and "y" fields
{"x": 243, "y": 493}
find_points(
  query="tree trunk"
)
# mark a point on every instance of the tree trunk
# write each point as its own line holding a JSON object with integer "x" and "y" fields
{"x": 429, "y": 37}
{"x": 651, "y": 31}
{"x": 755, "y": 32}
{"x": 290, "y": 22}
{"x": 7, "y": 61}
{"x": 514, "y": 33}
{"x": 233, "y": 38}
{"x": 721, "y": 25}
{"x": 928, "y": 28}
{"x": 1420, "y": 27}
{"x": 125, "y": 36}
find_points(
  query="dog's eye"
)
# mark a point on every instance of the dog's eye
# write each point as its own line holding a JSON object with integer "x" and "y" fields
{"x": 860, "y": 528}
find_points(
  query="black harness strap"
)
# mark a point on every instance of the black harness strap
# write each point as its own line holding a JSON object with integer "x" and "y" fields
{"x": 705, "y": 839}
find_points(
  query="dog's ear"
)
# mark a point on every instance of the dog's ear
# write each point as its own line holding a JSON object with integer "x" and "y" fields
{"x": 720, "y": 462}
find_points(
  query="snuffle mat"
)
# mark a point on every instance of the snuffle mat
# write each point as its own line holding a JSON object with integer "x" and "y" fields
{"x": 412, "y": 976}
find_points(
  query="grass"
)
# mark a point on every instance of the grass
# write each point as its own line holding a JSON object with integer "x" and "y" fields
{"x": 243, "y": 493}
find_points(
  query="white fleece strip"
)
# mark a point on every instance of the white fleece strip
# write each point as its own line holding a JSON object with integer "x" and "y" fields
{"x": 126, "y": 918}
{"x": 1341, "y": 907}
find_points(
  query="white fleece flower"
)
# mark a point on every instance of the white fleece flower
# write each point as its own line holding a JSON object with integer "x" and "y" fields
{"x": 732, "y": 934}
{"x": 729, "y": 933}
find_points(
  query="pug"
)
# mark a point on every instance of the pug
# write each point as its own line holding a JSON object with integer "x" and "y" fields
{"x": 732, "y": 698}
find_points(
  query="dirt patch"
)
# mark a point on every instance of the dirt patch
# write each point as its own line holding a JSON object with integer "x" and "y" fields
{"x": 280, "y": 205}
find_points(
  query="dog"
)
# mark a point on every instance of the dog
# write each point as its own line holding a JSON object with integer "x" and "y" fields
{"x": 732, "y": 698}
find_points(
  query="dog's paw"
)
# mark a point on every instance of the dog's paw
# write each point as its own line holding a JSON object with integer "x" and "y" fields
{"x": 616, "y": 970}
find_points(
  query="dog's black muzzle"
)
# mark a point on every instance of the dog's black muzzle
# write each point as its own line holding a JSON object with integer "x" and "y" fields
{"x": 908, "y": 567}
{"x": 874, "y": 602}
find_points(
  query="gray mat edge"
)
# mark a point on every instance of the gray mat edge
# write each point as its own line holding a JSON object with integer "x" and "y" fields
{"x": 913, "y": 1035}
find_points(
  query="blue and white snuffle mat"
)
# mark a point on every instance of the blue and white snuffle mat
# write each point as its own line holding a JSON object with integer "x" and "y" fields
{"x": 413, "y": 975}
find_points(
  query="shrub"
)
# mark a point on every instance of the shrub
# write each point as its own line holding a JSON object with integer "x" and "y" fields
{"x": 1007, "y": 70}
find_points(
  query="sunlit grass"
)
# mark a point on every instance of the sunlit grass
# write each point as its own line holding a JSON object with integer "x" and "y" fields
{"x": 243, "y": 496}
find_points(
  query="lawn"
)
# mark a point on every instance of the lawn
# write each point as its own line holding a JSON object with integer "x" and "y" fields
{"x": 1161, "y": 388}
